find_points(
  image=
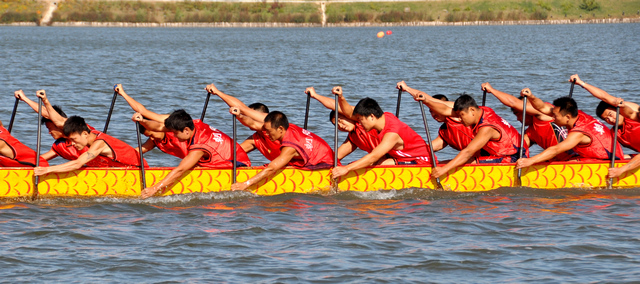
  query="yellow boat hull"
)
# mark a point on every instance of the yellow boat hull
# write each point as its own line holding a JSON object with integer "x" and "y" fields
{"x": 19, "y": 182}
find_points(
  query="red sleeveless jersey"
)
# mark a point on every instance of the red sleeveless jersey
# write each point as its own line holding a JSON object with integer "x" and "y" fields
{"x": 629, "y": 134}
{"x": 172, "y": 145}
{"x": 123, "y": 154}
{"x": 270, "y": 149}
{"x": 217, "y": 146}
{"x": 314, "y": 152}
{"x": 601, "y": 138}
{"x": 23, "y": 156}
{"x": 455, "y": 134}
{"x": 547, "y": 134}
{"x": 364, "y": 140}
{"x": 508, "y": 144}
{"x": 415, "y": 149}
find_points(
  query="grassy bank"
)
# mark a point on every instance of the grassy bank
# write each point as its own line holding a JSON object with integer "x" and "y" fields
{"x": 310, "y": 12}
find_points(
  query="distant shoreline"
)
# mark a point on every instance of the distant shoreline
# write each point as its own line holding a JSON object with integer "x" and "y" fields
{"x": 357, "y": 24}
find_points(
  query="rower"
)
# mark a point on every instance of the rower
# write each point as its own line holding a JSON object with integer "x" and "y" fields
{"x": 15, "y": 154}
{"x": 259, "y": 140}
{"x": 588, "y": 137}
{"x": 452, "y": 132}
{"x": 206, "y": 147}
{"x": 628, "y": 128}
{"x": 53, "y": 118}
{"x": 541, "y": 128}
{"x": 397, "y": 139}
{"x": 358, "y": 137}
{"x": 300, "y": 148}
{"x": 117, "y": 152}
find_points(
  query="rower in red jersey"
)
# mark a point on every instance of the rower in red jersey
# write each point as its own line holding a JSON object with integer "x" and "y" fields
{"x": 588, "y": 137}
{"x": 491, "y": 133}
{"x": 53, "y": 118}
{"x": 452, "y": 132}
{"x": 258, "y": 140}
{"x": 164, "y": 141}
{"x": 206, "y": 147}
{"x": 119, "y": 154}
{"x": 397, "y": 139}
{"x": 300, "y": 148}
{"x": 15, "y": 154}
{"x": 358, "y": 137}
{"x": 541, "y": 127}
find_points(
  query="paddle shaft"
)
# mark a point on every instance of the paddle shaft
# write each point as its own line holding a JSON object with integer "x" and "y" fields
{"x": 524, "y": 118}
{"x": 113, "y": 103}
{"x": 573, "y": 83}
{"x": 204, "y": 109}
{"x": 38, "y": 140}
{"x": 398, "y": 104}
{"x": 484, "y": 97}
{"x": 335, "y": 142}
{"x": 235, "y": 153}
{"x": 13, "y": 114}
{"x": 432, "y": 155}
{"x": 615, "y": 143}
{"x": 306, "y": 112}
{"x": 143, "y": 180}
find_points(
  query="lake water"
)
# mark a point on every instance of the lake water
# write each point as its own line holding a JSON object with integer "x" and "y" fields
{"x": 412, "y": 235}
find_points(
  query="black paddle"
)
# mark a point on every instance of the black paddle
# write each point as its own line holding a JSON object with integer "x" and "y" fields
{"x": 573, "y": 83}
{"x": 335, "y": 144}
{"x": 426, "y": 129}
{"x": 615, "y": 143}
{"x": 484, "y": 97}
{"x": 524, "y": 117}
{"x": 306, "y": 112}
{"x": 39, "y": 138}
{"x": 204, "y": 110}
{"x": 143, "y": 180}
{"x": 13, "y": 114}
{"x": 235, "y": 154}
{"x": 398, "y": 104}
{"x": 113, "y": 103}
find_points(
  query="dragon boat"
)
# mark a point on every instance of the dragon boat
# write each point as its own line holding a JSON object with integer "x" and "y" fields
{"x": 125, "y": 182}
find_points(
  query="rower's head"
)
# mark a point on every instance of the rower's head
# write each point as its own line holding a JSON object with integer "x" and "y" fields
{"x": 77, "y": 130}
{"x": 181, "y": 124}
{"x": 608, "y": 113}
{"x": 367, "y": 112}
{"x": 565, "y": 109}
{"x": 259, "y": 107}
{"x": 276, "y": 125}
{"x": 438, "y": 117}
{"x": 55, "y": 132}
{"x": 344, "y": 124}
{"x": 466, "y": 108}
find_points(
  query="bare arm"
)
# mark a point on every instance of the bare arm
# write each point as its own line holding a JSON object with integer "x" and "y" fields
{"x": 572, "y": 140}
{"x": 515, "y": 103}
{"x": 438, "y": 144}
{"x": 257, "y": 116}
{"x": 629, "y": 112}
{"x": 248, "y": 145}
{"x": 186, "y": 164}
{"x": 149, "y": 124}
{"x": 388, "y": 142}
{"x": 281, "y": 161}
{"x": 147, "y": 146}
{"x": 246, "y": 120}
{"x": 52, "y": 114}
{"x": 138, "y": 107}
{"x": 538, "y": 104}
{"x": 480, "y": 140}
{"x": 602, "y": 95}
{"x": 229, "y": 100}
{"x": 94, "y": 151}
{"x": 49, "y": 155}
{"x": 630, "y": 166}
{"x": 325, "y": 101}
{"x": 19, "y": 94}
{"x": 346, "y": 148}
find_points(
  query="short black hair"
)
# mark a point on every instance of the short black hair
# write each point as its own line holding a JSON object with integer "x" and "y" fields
{"x": 464, "y": 102}
{"x": 441, "y": 97}
{"x": 332, "y": 115}
{"x": 58, "y": 109}
{"x": 179, "y": 120}
{"x": 602, "y": 106}
{"x": 259, "y": 107}
{"x": 277, "y": 119}
{"x": 75, "y": 124}
{"x": 367, "y": 107}
{"x": 567, "y": 105}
